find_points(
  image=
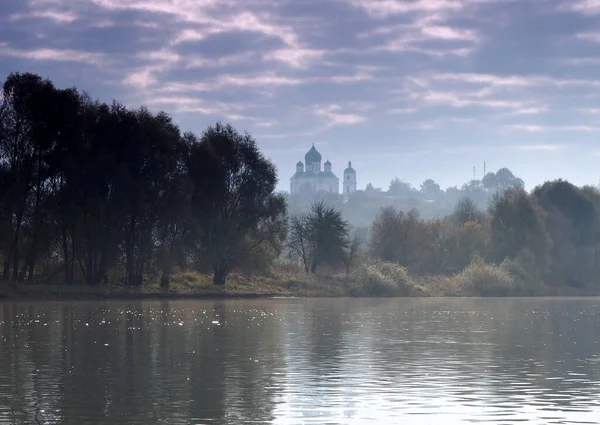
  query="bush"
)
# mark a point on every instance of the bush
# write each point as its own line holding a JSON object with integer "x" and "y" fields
{"x": 485, "y": 279}
{"x": 522, "y": 269}
{"x": 381, "y": 279}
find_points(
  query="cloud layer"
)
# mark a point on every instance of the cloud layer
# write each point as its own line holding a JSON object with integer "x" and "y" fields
{"x": 360, "y": 77}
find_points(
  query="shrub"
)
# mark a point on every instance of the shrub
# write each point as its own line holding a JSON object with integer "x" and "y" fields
{"x": 485, "y": 279}
{"x": 381, "y": 279}
{"x": 522, "y": 269}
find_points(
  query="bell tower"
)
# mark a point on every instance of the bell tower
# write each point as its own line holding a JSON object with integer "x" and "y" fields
{"x": 349, "y": 183}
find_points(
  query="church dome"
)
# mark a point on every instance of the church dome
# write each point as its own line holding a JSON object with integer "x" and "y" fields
{"x": 349, "y": 170}
{"x": 312, "y": 155}
{"x": 299, "y": 164}
{"x": 327, "y": 163}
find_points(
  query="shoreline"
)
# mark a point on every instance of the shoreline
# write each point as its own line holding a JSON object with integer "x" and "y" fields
{"x": 52, "y": 292}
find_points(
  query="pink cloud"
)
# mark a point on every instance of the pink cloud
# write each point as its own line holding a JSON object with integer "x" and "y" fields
{"x": 54, "y": 15}
{"x": 55, "y": 55}
{"x": 335, "y": 116}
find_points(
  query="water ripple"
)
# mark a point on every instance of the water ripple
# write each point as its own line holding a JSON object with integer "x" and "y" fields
{"x": 509, "y": 361}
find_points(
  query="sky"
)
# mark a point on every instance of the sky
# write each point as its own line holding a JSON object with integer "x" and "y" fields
{"x": 410, "y": 89}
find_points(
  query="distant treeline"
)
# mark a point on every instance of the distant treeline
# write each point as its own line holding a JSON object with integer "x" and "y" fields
{"x": 93, "y": 193}
{"x": 361, "y": 207}
{"x": 551, "y": 236}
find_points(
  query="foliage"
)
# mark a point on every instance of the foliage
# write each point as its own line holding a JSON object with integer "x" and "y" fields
{"x": 466, "y": 211}
{"x": 381, "y": 278}
{"x": 425, "y": 246}
{"x": 573, "y": 224}
{"x": 234, "y": 208}
{"x": 102, "y": 194}
{"x": 394, "y": 235}
{"x": 523, "y": 270}
{"x": 401, "y": 188}
{"x": 486, "y": 279}
{"x": 430, "y": 189}
{"x": 320, "y": 238}
{"x": 91, "y": 188}
{"x": 517, "y": 223}
{"x": 500, "y": 181}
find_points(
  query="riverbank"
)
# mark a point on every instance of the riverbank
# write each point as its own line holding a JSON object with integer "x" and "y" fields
{"x": 186, "y": 285}
{"x": 189, "y": 285}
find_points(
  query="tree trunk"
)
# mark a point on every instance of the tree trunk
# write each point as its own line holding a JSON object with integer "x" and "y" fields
{"x": 72, "y": 271}
{"x": 130, "y": 241}
{"x": 65, "y": 248}
{"x": 314, "y": 264}
{"x": 165, "y": 280}
{"x": 305, "y": 266}
{"x": 7, "y": 263}
{"x": 31, "y": 269}
{"x": 220, "y": 274}
{"x": 15, "y": 257}
{"x": 32, "y": 254}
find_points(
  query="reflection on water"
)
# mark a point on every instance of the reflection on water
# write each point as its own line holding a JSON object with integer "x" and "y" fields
{"x": 402, "y": 361}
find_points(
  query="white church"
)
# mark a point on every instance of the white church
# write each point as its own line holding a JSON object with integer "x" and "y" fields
{"x": 311, "y": 179}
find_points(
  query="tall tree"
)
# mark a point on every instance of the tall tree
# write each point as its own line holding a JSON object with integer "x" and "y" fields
{"x": 299, "y": 240}
{"x": 430, "y": 189}
{"x": 328, "y": 234}
{"x": 26, "y": 105}
{"x": 151, "y": 159}
{"x": 465, "y": 211}
{"x": 517, "y": 224}
{"x": 319, "y": 237}
{"x": 501, "y": 180}
{"x": 572, "y": 221}
{"x": 234, "y": 204}
{"x": 401, "y": 188}
{"x": 394, "y": 236}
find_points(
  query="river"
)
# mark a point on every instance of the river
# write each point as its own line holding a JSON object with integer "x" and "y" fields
{"x": 301, "y": 361}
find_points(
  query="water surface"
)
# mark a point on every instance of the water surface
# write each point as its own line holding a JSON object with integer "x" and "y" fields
{"x": 344, "y": 361}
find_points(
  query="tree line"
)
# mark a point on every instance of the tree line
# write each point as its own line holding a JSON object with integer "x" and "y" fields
{"x": 551, "y": 236}
{"x": 89, "y": 190}
{"x": 361, "y": 207}
{"x": 92, "y": 192}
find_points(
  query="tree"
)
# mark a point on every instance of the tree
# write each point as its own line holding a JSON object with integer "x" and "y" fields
{"x": 400, "y": 188}
{"x": 474, "y": 190}
{"x": 430, "y": 189}
{"x": 517, "y": 224}
{"x": 151, "y": 159}
{"x": 501, "y": 180}
{"x": 572, "y": 221}
{"x": 234, "y": 204}
{"x": 352, "y": 253}
{"x": 96, "y": 190}
{"x": 394, "y": 236}
{"x": 319, "y": 237}
{"x": 173, "y": 227}
{"x": 329, "y": 235}
{"x": 465, "y": 211}
{"x": 27, "y": 133}
{"x": 490, "y": 182}
{"x": 299, "y": 242}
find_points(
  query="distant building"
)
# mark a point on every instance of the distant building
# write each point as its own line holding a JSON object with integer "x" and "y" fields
{"x": 310, "y": 179}
{"x": 349, "y": 179}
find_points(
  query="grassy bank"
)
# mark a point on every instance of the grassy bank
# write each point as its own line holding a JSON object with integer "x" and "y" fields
{"x": 379, "y": 280}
